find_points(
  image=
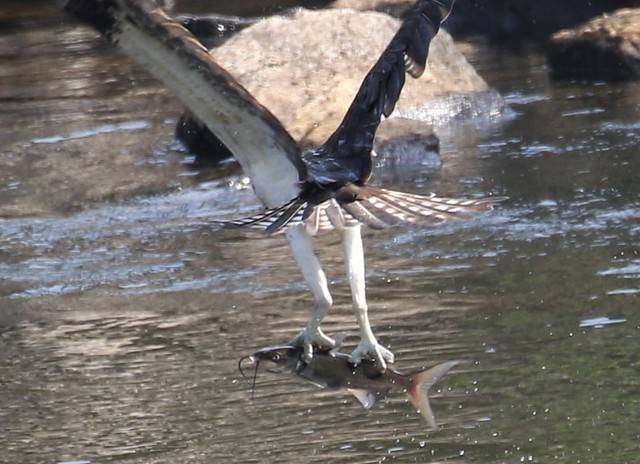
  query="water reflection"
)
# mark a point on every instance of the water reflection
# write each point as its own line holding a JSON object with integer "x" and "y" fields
{"x": 122, "y": 317}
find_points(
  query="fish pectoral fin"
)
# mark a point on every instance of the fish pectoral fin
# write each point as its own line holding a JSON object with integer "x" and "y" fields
{"x": 367, "y": 397}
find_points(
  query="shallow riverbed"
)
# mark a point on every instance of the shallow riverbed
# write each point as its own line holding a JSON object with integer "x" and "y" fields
{"x": 122, "y": 317}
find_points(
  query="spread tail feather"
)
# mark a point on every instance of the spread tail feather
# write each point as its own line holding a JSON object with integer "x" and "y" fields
{"x": 422, "y": 382}
{"x": 380, "y": 208}
{"x": 271, "y": 220}
{"x": 374, "y": 207}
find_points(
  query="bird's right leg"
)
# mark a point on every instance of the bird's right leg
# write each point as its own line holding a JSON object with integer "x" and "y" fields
{"x": 354, "y": 260}
{"x": 301, "y": 245}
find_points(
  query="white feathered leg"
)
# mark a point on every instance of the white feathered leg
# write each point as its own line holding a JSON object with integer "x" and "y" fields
{"x": 354, "y": 260}
{"x": 302, "y": 249}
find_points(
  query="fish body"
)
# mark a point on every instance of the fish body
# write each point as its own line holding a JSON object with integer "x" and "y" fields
{"x": 332, "y": 370}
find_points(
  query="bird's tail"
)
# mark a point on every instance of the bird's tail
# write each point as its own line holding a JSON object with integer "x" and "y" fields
{"x": 272, "y": 220}
{"x": 381, "y": 208}
{"x": 374, "y": 207}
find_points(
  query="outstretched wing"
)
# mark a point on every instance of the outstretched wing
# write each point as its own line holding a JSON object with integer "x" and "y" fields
{"x": 265, "y": 150}
{"x": 346, "y": 155}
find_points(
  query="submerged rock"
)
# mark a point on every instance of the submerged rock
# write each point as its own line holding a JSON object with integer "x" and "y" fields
{"x": 607, "y": 47}
{"x": 401, "y": 141}
{"x": 307, "y": 68}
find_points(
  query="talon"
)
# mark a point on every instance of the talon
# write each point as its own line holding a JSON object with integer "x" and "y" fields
{"x": 372, "y": 350}
{"x": 310, "y": 341}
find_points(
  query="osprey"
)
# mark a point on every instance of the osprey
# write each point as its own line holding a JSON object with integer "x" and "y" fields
{"x": 305, "y": 192}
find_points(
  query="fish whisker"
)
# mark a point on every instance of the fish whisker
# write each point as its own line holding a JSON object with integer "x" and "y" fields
{"x": 240, "y": 367}
{"x": 255, "y": 375}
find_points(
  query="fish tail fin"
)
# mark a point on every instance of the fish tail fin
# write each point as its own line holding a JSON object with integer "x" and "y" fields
{"x": 421, "y": 383}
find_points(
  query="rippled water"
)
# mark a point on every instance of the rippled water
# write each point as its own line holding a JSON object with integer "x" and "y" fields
{"x": 122, "y": 317}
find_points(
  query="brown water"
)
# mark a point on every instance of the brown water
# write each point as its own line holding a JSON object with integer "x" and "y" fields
{"x": 122, "y": 319}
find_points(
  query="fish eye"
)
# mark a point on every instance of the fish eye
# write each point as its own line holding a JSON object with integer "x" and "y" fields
{"x": 276, "y": 357}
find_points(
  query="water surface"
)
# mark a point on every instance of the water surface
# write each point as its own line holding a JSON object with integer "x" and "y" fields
{"x": 122, "y": 317}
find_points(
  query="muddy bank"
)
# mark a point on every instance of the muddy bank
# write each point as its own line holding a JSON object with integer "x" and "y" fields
{"x": 607, "y": 47}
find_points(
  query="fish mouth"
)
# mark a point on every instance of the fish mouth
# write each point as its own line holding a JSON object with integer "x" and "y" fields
{"x": 255, "y": 364}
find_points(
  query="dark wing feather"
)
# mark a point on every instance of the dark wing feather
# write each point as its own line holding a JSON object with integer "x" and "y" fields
{"x": 346, "y": 155}
{"x": 424, "y": 31}
{"x": 394, "y": 87}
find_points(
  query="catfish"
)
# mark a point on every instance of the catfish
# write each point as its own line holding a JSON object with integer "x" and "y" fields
{"x": 332, "y": 370}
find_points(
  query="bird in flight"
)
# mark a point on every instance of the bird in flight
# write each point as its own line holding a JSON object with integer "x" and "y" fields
{"x": 306, "y": 192}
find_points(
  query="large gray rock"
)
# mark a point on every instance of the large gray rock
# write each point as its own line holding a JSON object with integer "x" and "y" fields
{"x": 607, "y": 47}
{"x": 307, "y": 68}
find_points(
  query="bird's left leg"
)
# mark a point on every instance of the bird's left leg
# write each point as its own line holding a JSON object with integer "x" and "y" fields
{"x": 354, "y": 260}
{"x": 301, "y": 246}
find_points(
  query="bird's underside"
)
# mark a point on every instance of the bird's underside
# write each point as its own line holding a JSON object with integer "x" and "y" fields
{"x": 306, "y": 193}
